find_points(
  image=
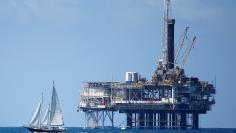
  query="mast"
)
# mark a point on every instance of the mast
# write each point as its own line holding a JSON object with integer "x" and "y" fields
{"x": 40, "y": 113}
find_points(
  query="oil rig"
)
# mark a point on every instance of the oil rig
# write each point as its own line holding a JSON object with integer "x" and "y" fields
{"x": 170, "y": 100}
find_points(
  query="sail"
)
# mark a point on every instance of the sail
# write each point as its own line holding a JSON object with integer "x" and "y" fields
{"x": 35, "y": 121}
{"x": 56, "y": 118}
{"x": 45, "y": 119}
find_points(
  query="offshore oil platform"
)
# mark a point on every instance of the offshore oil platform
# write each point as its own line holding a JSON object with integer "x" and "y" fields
{"x": 170, "y": 100}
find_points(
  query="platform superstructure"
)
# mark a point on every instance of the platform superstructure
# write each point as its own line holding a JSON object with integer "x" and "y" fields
{"x": 170, "y": 100}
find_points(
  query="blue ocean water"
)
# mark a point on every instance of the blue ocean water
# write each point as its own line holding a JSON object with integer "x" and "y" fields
{"x": 117, "y": 130}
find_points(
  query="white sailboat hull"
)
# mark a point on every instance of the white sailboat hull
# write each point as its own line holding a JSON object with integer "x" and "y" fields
{"x": 46, "y": 129}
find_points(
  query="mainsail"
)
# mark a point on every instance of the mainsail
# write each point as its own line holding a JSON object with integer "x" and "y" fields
{"x": 45, "y": 120}
{"x": 35, "y": 121}
{"x": 56, "y": 118}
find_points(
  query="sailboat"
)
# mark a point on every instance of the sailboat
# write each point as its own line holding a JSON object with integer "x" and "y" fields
{"x": 52, "y": 121}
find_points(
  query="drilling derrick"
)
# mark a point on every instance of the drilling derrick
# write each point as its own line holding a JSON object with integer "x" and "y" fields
{"x": 170, "y": 100}
{"x": 169, "y": 29}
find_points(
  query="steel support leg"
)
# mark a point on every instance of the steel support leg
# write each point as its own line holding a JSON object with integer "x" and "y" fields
{"x": 163, "y": 120}
{"x": 174, "y": 121}
{"x": 195, "y": 120}
{"x": 129, "y": 119}
{"x": 154, "y": 120}
{"x": 141, "y": 120}
{"x": 183, "y": 121}
{"x": 150, "y": 120}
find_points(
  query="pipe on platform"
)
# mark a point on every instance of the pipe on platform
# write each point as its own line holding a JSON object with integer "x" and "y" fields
{"x": 170, "y": 42}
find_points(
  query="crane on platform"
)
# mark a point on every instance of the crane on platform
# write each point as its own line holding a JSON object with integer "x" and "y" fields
{"x": 186, "y": 55}
{"x": 188, "y": 51}
{"x": 181, "y": 43}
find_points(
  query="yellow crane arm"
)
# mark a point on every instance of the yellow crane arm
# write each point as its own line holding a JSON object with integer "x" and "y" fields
{"x": 188, "y": 51}
{"x": 181, "y": 43}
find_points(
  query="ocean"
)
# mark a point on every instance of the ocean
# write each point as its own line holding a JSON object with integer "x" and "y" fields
{"x": 117, "y": 130}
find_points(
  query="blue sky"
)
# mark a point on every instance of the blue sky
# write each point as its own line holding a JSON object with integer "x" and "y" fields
{"x": 71, "y": 41}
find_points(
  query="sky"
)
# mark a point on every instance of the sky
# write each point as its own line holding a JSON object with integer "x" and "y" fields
{"x": 71, "y": 41}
